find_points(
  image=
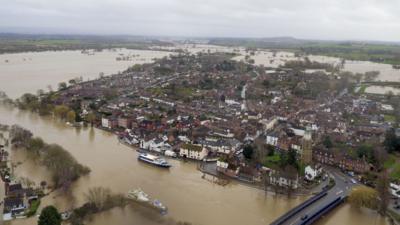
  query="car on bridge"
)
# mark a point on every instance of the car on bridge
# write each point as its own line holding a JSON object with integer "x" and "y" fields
{"x": 304, "y": 217}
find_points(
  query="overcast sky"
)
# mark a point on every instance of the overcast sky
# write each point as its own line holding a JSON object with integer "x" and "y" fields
{"x": 311, "y": 19}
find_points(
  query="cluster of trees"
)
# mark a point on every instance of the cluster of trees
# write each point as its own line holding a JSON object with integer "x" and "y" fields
{"x": 65, "y": 113}
{"x": 43, "y": 104}
{"x": 226, "y": 65}
{"x": 98, "y": 199}
{"x": 62, "y": 165}
{"x": 282, "y": 160}
{"x": 376, "y": 199}
{"x": 364, "y": 196}
{"x": 308, "y": 64}
{"x": 207, "y": 84}
{"x": 49, "y": 216}
{"x": 4, "y": 99}
{"x": 392, "y": 141}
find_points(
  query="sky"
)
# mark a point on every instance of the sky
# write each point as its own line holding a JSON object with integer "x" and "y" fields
{"x": 307, "y": 19}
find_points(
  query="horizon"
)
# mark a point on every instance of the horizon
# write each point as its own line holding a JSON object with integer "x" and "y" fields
{"x": 337, "y": 20}
{"x": 22, "y": 34}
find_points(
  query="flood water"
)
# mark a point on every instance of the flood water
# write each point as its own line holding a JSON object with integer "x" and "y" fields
{"x": 31, "y": 71}
{"x": 188, "y": 196}
{"x": 276, "y": 59}
{"x": 382, "y": 90}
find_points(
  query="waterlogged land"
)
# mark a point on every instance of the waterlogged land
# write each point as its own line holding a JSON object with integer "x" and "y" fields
{"x": 388, "y": 53}
{"x": 188, "y": 196}
{"x": 31, "y": 71}
{"x": 14, "y": 43}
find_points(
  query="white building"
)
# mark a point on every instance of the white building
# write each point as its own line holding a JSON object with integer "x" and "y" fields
{"x": 191, "y": 151}
{"x": 284, "y": 179}
{"x": 310, "y": 173}
{"x": 269, "y": 124}
{"x": 105, "y": 122}
{"x": 272, "y": 140}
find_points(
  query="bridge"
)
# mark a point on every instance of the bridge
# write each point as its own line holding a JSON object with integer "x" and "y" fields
{"x": 315, "y": 207}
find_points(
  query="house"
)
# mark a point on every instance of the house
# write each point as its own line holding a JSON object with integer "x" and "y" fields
{"x": 284, "y": 179}
{"x": 155, "y": 144}
{"x": 192, "y": 151}
{"x": 13, "y": 206}
{"x": 109, "y": 123}
{"x": 222, "y": 146}
{"x": 269, "y": 124}
{"x": 3, "y": 155}
{"x": 311, "y": 172}
{"x": 223, "y": 133}
{"x": 14, "y": 190}
{"x": 227, "y": 168}
{"x": 124, "y": 122}
{"x": 272, "y": 139}
{"x": 31, "y": 195}
{"x": 342, "y": 160}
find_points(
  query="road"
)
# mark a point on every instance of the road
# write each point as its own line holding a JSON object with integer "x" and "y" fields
{"x": 341, "y": 189}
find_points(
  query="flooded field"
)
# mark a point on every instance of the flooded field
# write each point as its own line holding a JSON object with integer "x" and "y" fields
{"x": 382, "y": 90}
{"x": 189, "y": 197}
{"x": 31, "y": 71}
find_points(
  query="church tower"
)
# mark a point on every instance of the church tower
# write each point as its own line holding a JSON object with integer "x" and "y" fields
{"x": 306, "y": 156}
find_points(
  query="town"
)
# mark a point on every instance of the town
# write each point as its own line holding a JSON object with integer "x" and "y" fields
{"x": 271, "y": 128}
{"x": 207, "y": 107}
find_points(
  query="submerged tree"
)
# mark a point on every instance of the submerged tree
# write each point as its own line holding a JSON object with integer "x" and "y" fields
{"x": 363, "y": 196}
{"x": 382, "y": 187}
{"x": 19, "y": 136}
{"x": 49, "y": 216}
{"x": 71, "y": 116}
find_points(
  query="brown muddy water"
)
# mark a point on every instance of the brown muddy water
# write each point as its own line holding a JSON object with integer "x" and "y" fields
{"x": 182, "y": 188}
{"x": 30, "y": 71}
{"x": 188, "y": 196}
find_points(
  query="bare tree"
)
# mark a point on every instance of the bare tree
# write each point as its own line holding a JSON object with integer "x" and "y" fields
{"x": 382, "y": 187}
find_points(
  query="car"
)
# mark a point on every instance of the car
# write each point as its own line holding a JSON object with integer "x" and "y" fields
{"x": 304, "y": 217}
{"x": 353, "y": 181}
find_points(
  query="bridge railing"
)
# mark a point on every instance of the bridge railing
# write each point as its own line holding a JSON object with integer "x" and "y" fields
{"x": 299, "y": 208}
{"x": 331, "y": 205}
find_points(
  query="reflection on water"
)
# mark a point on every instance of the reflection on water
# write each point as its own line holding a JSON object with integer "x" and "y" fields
{"x": 188, "y": 196}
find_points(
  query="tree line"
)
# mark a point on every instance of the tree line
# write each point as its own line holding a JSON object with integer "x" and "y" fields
{"x": 62, "y": 165}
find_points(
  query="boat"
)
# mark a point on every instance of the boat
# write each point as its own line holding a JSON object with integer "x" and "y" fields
{"x": 142, "y": 198}
{"x": 158, "y": 205}
{"x": 138, "y": 195}
{"x": 154, "y": 160}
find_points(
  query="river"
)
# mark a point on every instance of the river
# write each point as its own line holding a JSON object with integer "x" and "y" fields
{"x": 189, "y": 197}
